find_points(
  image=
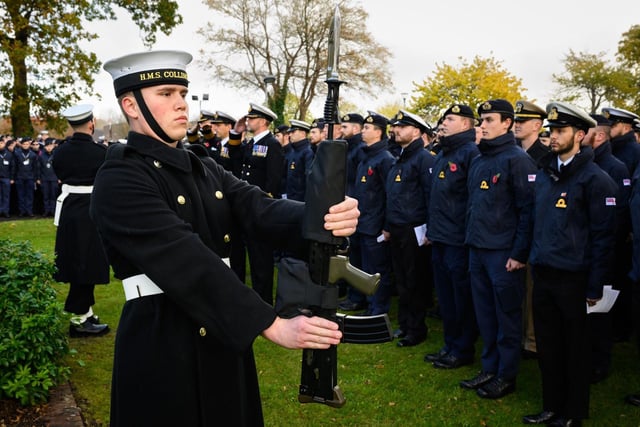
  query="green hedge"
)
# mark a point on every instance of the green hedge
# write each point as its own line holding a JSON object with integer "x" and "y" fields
{"x": 32, "y": 338}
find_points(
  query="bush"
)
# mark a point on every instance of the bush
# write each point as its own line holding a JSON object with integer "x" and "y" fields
{"x": 32, "y": 341}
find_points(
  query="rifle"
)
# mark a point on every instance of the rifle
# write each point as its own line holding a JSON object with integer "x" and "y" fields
{"x": 326, "y": 186}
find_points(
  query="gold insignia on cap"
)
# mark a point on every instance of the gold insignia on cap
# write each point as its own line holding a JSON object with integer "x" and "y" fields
{"x": 455, "y": 109}
{"x": 400, "y": 116}
{"x": 345, "y": 118}
{"x": 607, "y": 114}
{"x": 369, "y": 119}
{"x": 215, "y": 116}
{"x": 486, "y": 106}
{"x": 519, "y": 107}
{"x": 553, "y": 114}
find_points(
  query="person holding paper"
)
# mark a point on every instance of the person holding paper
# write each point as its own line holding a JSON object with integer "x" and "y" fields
{"x": 573, "y": 239}
{"x": 408, "y": 185}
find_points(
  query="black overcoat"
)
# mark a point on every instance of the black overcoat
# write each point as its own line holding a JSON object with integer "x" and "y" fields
{"x": 80, "y": 257}
{"x": 184, "y": 357}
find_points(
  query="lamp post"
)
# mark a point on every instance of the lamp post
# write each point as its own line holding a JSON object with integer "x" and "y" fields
{"x": 268, "y": 81}
{"x": 205, "y": 97}
{"x": 404, "y": 99}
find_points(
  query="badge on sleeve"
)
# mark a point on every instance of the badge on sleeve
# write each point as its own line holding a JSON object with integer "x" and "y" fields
{"x": 531, "y": 177}
{"x": 610, "y": 201}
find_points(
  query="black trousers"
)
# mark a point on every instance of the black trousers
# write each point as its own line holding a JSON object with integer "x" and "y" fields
{"x": 562, "y": 340}
{"x": 261, "y": 268}
{"x": 80, "y": 298}
{"x": 414, "y": 279}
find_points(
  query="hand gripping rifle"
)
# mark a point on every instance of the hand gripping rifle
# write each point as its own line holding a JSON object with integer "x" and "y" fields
{"x": 326, "y": 185}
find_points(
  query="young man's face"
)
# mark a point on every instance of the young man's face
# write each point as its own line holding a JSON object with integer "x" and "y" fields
{"x": 169, "y": 107}
{"x": 524, "y": 129}
{"x": 453, "y": 124}
{"x": 564, "y": 138}
{"x": 492, "y": 126}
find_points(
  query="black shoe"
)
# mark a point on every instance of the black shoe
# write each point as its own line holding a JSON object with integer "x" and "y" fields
{"x": 410, "y": 341}
{"x": 87, "y": 329}
{"x": 598, "y": 375}
{"x": 432, "y": 357}
{"x": 528, "y": 354}
{"x": 633, "y": 399}
{"x": 399, "y": 333}
{"x": 565, "y": 422}
{"x": 94, "y": 319}
{"x": 497, "y": 388}
{"x": 478, "y": 381}
{"x": 451, "y": 362}
{"x": 348, "y": 305}
{"x": 543, "y": 417}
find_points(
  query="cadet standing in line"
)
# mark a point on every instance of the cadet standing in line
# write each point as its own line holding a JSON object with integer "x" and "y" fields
{"x": 366, "y": 251}
{"x": 26, "y": 170}
{"x": 498, "y": 234}
{"x": 527, "y": 124}
{"x": 49, "y": 182}
{"x": 316, "y": 134}
{"x": 6, "y": 176}
{"x": 80, "y": 259}
{"x": 446, "y": 231}
{"x": 573, "y": 238}
{"x": 408, "y": 186}
{"x": 298, "y": 160}
{"x": 263, "y": 165}
{"x": 183, "y": 350}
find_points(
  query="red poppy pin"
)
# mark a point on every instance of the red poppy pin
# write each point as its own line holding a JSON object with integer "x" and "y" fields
{"x": 453, "y": 167}
{"x": 495, "y": 178}
{"x": 370, "y": 171}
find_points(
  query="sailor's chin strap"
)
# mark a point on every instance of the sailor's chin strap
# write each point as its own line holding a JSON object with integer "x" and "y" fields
{"x": 153, "y": 124}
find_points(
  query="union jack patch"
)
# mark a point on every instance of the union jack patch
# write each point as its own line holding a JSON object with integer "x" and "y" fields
{"x": 610, "y": 201}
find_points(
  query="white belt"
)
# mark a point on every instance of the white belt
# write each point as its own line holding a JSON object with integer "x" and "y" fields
{"x": 66, "y": 190}
{"x": 141, "y": 285}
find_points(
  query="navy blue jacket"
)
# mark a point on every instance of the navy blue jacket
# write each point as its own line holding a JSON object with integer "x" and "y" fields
{"x": 25, "y": 164}
{"x": 449, "y": 192}
{"x": 263, "y": 164}
{"x": 299, "y": 158}
{"x": 408, "y": 186}
{"x": 354, "y": 145}
{"x": 618, "y": 171}
{"x": 626, "y": 148}
{"x": 500, "y": 187}
{"x": 634, "y": 208}
{"x": 46, "y": 168}
{"x": 6, "y": 164}
{"x": 369, "y": 187}
{"x": 574, "y": 219}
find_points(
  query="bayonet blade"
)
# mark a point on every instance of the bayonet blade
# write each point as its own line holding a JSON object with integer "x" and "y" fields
{"x": 334, "y": 46}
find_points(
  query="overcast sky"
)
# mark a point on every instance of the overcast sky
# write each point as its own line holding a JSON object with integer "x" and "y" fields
{"x": 529, "y": 38}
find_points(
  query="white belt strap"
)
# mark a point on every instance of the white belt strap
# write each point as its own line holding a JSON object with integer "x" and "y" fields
{"x": 66, "y": 190}
{"x": 141, "y": 285}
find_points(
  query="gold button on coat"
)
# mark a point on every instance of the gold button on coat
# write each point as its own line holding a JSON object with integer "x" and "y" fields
{"x": 203, "y": 332}
{"x": 181, "y": 200}
{"x": 157, "y": 164}
{"x": 227, "y": 238}
{"x": 219, "y": 195}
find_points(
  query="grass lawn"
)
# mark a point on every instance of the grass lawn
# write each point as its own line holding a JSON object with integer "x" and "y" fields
{"x": 384, "y": 385}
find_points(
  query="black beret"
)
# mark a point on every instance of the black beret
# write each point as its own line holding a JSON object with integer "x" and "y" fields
{"x": 317, "y": 123}
{"x": 459, "y": 110}
{"x": 501, "y": 106}
{"x": 282, "y": 129}
{"x": 352, "y": 118}
{"x": 377, "y": 119}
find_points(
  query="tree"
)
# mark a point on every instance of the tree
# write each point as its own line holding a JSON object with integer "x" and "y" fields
{"x": 288, "y": 40}
{"x": 629, "y": 56}
{"x": 592, "y": 78}
{"x": 469, "y": 83}
{"x": 42, "y": 67}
